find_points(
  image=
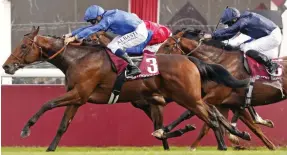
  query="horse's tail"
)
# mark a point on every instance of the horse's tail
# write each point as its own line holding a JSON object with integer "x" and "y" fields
{"x": 218, "y": 74}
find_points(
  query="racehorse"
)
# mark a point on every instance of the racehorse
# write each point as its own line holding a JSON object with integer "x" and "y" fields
{"x": 189, "y": 42}
{"x": 89, "y": 77}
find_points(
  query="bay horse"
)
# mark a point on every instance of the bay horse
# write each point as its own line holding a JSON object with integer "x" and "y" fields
{"x": 190, "y": 42}
{"x": 89, "y": 77}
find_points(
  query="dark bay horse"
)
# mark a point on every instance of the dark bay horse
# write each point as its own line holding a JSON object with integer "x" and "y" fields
{"x": 89, "y": 78}
{"x": 189, "y": 42}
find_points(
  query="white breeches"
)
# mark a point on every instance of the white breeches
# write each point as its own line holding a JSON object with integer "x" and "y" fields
{"x": 129, "y": 40}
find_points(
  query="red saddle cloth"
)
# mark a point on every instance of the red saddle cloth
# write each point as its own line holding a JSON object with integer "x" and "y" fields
{"x": 148, "y": 65}
{"x": 259, "y": 71}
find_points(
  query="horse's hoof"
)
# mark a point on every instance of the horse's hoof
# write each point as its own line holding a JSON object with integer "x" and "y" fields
{"x": 192, "y": 148}
{"x": 224, "y": 148}
{"x": 267, "y": 123}
{"x": 25, "y": 133}
{"x": 233, "y": 139}
{"x": 238, "y": 147}
{"x": 158, "y": 133}
{"x": 246, "y": 136}
{"x": 272, "y": 148}
{"x": 50, "y": 150}
{"x": 270, "y": 124}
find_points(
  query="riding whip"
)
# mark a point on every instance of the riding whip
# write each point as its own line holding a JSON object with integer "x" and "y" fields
{"x": 219, "y": 21}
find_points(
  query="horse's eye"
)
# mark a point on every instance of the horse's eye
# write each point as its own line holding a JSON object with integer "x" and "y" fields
{"x": 23, "y": 46}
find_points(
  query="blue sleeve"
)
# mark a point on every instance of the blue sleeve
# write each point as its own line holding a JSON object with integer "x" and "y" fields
{"x": 224, "y": 34}
{"x": 75, "y": 32}
{"x": 102, "y": 25}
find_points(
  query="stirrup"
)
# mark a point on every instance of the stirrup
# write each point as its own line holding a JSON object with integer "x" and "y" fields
{"x": 272, "y": 74}
{"x": 130, "y": 76}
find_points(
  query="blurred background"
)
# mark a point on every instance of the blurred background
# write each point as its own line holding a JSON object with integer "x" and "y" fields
{"x": 57, "y": 17}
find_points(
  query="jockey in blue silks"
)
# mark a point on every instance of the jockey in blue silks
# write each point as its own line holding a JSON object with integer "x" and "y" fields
{"x": 266, "y": 35}
{"x": 130, "y": 29}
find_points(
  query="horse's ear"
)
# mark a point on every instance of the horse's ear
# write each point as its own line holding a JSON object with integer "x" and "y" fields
{"x": 35, "y": 32}
{"x": 33, "y": 29}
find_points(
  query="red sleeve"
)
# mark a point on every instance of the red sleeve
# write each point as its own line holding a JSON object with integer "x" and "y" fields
{"x": 160, "y": 32}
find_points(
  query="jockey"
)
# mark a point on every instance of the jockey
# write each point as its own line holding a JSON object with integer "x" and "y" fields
{"x": 130, "y": 29}
{"x": 266, "y": 34}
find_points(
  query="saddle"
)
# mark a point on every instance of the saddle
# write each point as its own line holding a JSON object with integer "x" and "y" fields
{"x": 259, "y": 71}
{"x": 146, "y": 63}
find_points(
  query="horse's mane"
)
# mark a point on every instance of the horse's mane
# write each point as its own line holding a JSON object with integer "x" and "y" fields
{"x": 53, "y": 36}
{"x": 193, "y": 34}
{"x": 110, "y": 35}
{"x": 86, "y": 42}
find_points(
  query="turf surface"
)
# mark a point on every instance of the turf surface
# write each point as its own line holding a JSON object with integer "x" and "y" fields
{"x": 136, "y": 151}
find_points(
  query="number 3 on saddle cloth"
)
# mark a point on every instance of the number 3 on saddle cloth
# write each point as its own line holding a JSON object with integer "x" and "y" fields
{"x": 146, "y": 63}
{"x": 258, "y": 72}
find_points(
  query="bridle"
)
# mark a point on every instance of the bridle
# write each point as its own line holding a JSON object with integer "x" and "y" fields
{"x": 21, "y": 59}
{"x": 177, "y": 44}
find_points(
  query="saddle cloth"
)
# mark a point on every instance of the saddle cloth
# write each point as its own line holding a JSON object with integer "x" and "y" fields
{"x": 259, "y": 71}
{"x": 146, "y": 63}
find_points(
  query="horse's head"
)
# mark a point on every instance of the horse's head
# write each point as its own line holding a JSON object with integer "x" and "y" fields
{"x": 24, "y": 53}
{"x": 32, "y": 48}
{"x": 183, "y": 41}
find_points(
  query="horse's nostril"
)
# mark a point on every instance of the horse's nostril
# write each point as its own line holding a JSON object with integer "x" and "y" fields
{"x": 5, "y": 67}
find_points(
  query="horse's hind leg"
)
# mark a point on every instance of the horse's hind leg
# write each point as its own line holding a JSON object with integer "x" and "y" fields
{"x": 229, "y": 127}
{"x": 70, "y": 98}
{"x": 246, "y": 119}
{"x": 66, "y": 120}
{"x": 209, "y": 117}
{"x": 204, "y": 130}
{"x": 155, "y": 112}
{"x": 205, "y": 113}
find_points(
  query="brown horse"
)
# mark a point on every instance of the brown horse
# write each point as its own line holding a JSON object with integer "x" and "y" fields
{"x": 90, "y": 77}
{"x": 190, "y": 42}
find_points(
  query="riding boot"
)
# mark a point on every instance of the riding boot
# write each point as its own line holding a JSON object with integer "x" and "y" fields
{"x": 263, "y": 59}
{"x": 133, "y": 70}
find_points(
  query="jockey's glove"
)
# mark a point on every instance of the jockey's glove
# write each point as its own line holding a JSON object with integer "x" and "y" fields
{"x": 67, "y": 35}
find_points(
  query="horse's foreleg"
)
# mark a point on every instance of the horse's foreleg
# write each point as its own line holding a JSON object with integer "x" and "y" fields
{"x": 185, "y": 116}
{"x": 66, "y": 120}
{"x": 165, "y": 132}
{"x": 259, "y": 120}
{"x": 232, "y": 138}
{"x": 157, "y": 118}
{"x": 70, "y": 98}
{"x": 246, "y": 118}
